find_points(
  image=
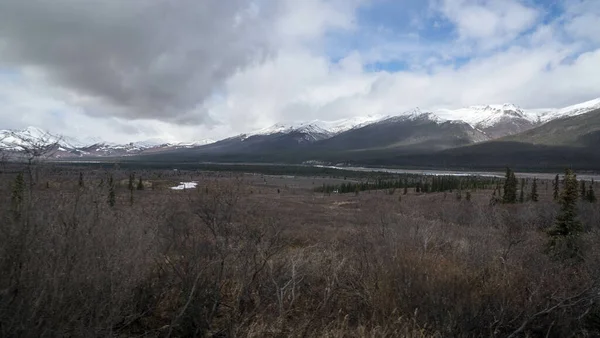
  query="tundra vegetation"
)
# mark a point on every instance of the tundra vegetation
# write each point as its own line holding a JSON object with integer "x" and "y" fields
{"x": 107, "y": 251}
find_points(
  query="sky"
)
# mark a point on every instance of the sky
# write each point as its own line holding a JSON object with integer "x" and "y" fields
{"x": 188, "y": 70}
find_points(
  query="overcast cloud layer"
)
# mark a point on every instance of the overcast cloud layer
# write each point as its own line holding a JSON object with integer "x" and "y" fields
{"x": 191, "y": 70}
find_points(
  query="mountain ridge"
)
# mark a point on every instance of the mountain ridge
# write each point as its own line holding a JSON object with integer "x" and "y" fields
{"x": 487, "y": 122}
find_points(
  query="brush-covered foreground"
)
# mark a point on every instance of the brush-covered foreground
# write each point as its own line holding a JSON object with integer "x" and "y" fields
{"x": 247, "y": 255}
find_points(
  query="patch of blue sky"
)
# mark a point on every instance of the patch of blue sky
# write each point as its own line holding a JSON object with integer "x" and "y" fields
{"x": 396, "y": 31}
{"x": 9, "y": 74}
{"x": 402, "y": 34}
{"x": 387, "y": 66}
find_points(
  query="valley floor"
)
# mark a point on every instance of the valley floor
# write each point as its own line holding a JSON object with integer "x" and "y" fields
{"x": 84, "y": 252}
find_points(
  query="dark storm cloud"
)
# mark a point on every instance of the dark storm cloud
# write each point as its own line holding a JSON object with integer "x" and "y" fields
{"x": 136, "y": 58}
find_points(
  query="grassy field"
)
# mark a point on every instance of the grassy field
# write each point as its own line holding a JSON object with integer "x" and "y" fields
{"x": 266, "y": 255}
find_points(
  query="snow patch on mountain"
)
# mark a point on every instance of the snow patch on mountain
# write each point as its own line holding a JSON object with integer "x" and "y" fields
{"x": 546, "y": 115}
{"x": 482, "y": 117}
{"x": 340, "y": 126}
{"x": 19, "y": 140}
{"x": 330, "y": 128}
{"x": 493, "y": 120}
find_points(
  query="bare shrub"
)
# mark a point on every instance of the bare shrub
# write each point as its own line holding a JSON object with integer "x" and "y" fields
{"x": 219, "y": 261}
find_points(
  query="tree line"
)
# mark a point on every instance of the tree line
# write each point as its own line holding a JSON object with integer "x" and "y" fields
{"x": 418, "y": 183}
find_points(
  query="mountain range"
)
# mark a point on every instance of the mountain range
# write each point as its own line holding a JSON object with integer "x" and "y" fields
{"x": 409, "y": 138}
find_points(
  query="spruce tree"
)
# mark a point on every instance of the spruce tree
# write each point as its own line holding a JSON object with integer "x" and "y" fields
{"x": 131, "y": 180}
{"x": 111, "y": 192}
{"x": 522, "y": 193}
{"x": 140, "y": 185}
{"x": 468, "y": 196}
{"x": 81, "y": 184}
{"x": 495, "y": 199}
{"x": 405, "y": 186}
{"x": 564, "y": 235}
{"x": 555, "y": 186}
{"x": 591, "y": 195}
{"x": 510, "y": 187}
{"x": 583, "y": 190}
{"x": 534, "y": 194}
{"x": 18, "y": 196}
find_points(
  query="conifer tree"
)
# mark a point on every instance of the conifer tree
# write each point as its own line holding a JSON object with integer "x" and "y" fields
{"x": 81, "y": 184}
{"x": 131, "y": 188}
{"x": 111, "y": 191}
{"x": 522, "y": 193}
{"x": 534, "y": 194}
{"x": 405, "y": 186}
{"x": 591, "y": 194}
{"x": 495, "y": 197}
{"x": 468, "y": 196}
{"x": 131, "y": 180}
{"x": 18, "y": 196}
{"x": 583, "y": 190}
{"x": 510, "y": 187}
{"x": 564, "y": 235}
{"x": 140, "y": 185}
{"x": 555, "y": 186}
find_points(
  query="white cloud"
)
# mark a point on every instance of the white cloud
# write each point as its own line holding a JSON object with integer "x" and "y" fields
{"x": 582, "y": 18}
{"x": 488, "y": 23}
{"x": 506, "y": 56}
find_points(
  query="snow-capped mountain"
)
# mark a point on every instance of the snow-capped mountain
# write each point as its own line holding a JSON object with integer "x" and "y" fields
{"x": 19, "y": 140}
{"x": 340, "y": 126}
{"x": 62, "y": 146}
{"x": 414, "y": 115}
{"x": 487, "y": 116}
{"x": 319, "y": 128}
{"x": 309, "y": 128}
{"x": 494, "y": 120}
{"x": 475, "y": 124}
{"x": 546, "y": 115}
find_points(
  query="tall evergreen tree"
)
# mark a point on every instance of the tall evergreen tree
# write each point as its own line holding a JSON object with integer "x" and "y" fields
{"x": 140, "y": 185}
{"x": 583, "y": 190}
{"x": 131, "y": 181}
{"x": 510, "y": 187}
{"x": 555, "y": 186}
{"x": 591, "y": 194}
{"x": 81, "y": 183}
{"x": 405, "y": 186}
{"x": 522, "y": 193}
{"x": 534, "y": 194}
{"x": 564, "y": 235}
{"x": 112, "y": 200}
{"x": 18, "y": 196}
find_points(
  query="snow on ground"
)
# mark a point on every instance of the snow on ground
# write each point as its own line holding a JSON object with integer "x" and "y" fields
{"x": 185, "y": 185}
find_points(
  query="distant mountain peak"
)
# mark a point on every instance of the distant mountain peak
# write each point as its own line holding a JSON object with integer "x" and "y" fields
{"x": 416, "y": 114}
{"x": 492, "y": 121}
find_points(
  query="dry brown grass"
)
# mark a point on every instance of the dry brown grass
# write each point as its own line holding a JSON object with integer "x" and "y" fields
{"x": 235, "y": 258}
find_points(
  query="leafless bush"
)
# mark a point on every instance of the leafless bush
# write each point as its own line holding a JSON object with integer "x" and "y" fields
{"x": 219, "y": 261}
